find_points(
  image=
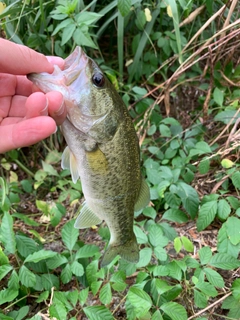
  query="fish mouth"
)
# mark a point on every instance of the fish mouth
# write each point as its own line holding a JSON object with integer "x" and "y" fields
{"x": 60, "y": 79}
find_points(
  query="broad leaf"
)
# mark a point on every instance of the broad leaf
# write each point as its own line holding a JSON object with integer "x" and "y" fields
{"x": 224, "y": 261}
{"x": 174, "y": 310}
{"x": 70, "y": 234}
{"x": 7, "y": 234}
{"x": 105, "y": 294}
{"x": 98, "y": 313}
{"x": 40, "y": 255}
{"x": 124, "y": 7}
{"x": 206, "y": 215}
{"x": 140, "y": 300}
{"x": 205, "y": 254}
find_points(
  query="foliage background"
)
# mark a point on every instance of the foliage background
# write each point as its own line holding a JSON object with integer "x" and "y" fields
{"x": 176, "y": 65}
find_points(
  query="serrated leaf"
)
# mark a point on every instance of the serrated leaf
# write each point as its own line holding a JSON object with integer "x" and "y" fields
{"x": 233, "y": 230}
{"x": 174, "y": 310}
{"x": 155, "y": 234}
{"x": 200, "y": 299}
{"x": 56, "y": 261}
{"x": 175, "y": 215}
{"x": 144, "y": 257}
{"x": 218, "y": 96}
{"x": 83, "y": 294}
{"x": 70, "y": 234}
{"x": 227, "y": 163}
{"x": 236, "y": 179}
{"x": 91, "y": 271}
{"x": 160, "y": 253}
{"x": 13, "y": 282}
{"x": 77, "y": 269}
{"x": 214, "y": 277}
{"x": 189, "y": 198}
{"x": 87, "y": 251}
{"x": 227, "y": 116}
{"x": 205, "y": 255}
{"x": 140, "y": 235}
{"x": 98, "y": 313}
{"x": 27, "y": 278}
{"x": 95, "y": 286}
{"x": 66, "y": 274}
{"x": 4, "y": 270}
{"x": 206, "y": 215}
{"x": 236, "y": 289}
{"x": 8, "y": 295}
{"x": 43, "y": 296}
{"x": 8, "y": 236}
{"x": 140, "y": 300}
{"x": 105, "y": 294}
{"x": 124, "y": 7}
{"x": 224, "y": 261}
{"x": 204, "y": 166}
{"x": 26, "y": 245}
{"x": 207, "y": 288}
{"x": 177, "y": 244}
{"x": 49, "y": 281}
{"x": 58, "y": 311}
{"x": 40, "y": 255}
{"x": 187, "y": 244}
{"x": 224, "y": 209}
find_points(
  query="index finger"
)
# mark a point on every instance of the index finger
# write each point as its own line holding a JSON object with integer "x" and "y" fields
{"x": 20, "y": 60}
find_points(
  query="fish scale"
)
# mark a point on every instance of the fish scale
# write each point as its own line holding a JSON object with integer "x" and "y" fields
{"x": 103, "y": 150}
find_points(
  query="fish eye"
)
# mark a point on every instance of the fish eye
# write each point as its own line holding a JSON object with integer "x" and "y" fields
{"x": 98, "y": 79}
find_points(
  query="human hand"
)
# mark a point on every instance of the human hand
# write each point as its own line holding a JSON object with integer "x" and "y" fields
{"x": 26, "y": 117}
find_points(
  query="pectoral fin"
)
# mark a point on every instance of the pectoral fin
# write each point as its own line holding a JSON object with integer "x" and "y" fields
{"x": 86, "y": 218}
{"x": 143, "y": 197}
{"x": 70, "y": 162}
{"x": 97, "y": 161}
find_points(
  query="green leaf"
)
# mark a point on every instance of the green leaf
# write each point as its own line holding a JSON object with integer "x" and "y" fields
{"x": 145, "y": 257}
{"x": 40, "y": 255}
{"x": 7, "y": 234}
{"x": 13, "y": 282}
{"x": 70, "y": 234}
{"x": 140, "y": 300}
{"x": 105, "y": 294}
{"x": 214, "y": 277}
{"x": 98, "y": 313}
{"x": 58, "y": 311}
{"x": 49, "y": 168}
{"x": 124, "y": 7}
{"x": 227, "y": 163}
{"x": 174, "y": 310}
{"x": 189, "y": 198}
{"x": 233, "y": 230}
{"x": 207, "y": 214}
{"x": 83, "y": 295}
{"x": 165, "y": 131}
{"x": 88, "y": 250}
{"x": 91, "y": 271}
{"x": 236, "y": 179}
{"x": 20, "y": 314}
{"x": 177, "y": 244}
{"x": 205, "y": 254}
{"x": 200, "y": 299}
{"x": 26, "y": 245}
{"x": 67, "y": 35}
{"x": 218, "y": 96}
{"x": 204, "y": 166}
{"x": 224, "y": 261}
{"x": 175, "y": 215}
{"x": 43, "y": 296}
{"x": 140, "y": 235}
{"x": 236, "y": 289}
{"x": 77, "y": 269}
{"x": 49, "y": 281}
{"x": 3, "y": 258}
{"x": 4, "y": 270}
{"x": 207, "y": 288}
{"x": 187, "y": 244}
{"x": 66, "y": 274}
{"x": 56, "y": 261}
{"x": 27, "y": 278}
{"x": 8, "y": 295}
{"x": 155, "y": 234}
{"x": 227, "y": 116}
{"x": 160, "y": 253}
{"x": 224, "y": 209}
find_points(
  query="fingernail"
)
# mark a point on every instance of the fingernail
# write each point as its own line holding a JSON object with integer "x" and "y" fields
{"x": 60, "y": 111}
{"x": 55, "y": 130}
{"x": 44, "y": 112}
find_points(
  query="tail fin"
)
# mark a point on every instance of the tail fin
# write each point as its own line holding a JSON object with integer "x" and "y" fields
{"x": 128, "y": 251}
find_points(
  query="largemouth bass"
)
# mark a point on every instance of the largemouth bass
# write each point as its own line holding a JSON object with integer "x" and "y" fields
{"x": 103, "y": 151}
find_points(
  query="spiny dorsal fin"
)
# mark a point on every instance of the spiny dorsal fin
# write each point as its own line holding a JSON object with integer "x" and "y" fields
{"x": 70, "y": 162}
{"x": 86, "y": 218}
{"x": 143, "y": 197}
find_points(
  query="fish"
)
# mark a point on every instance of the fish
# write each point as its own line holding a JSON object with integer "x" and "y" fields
{"x": 102, "y": 150}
